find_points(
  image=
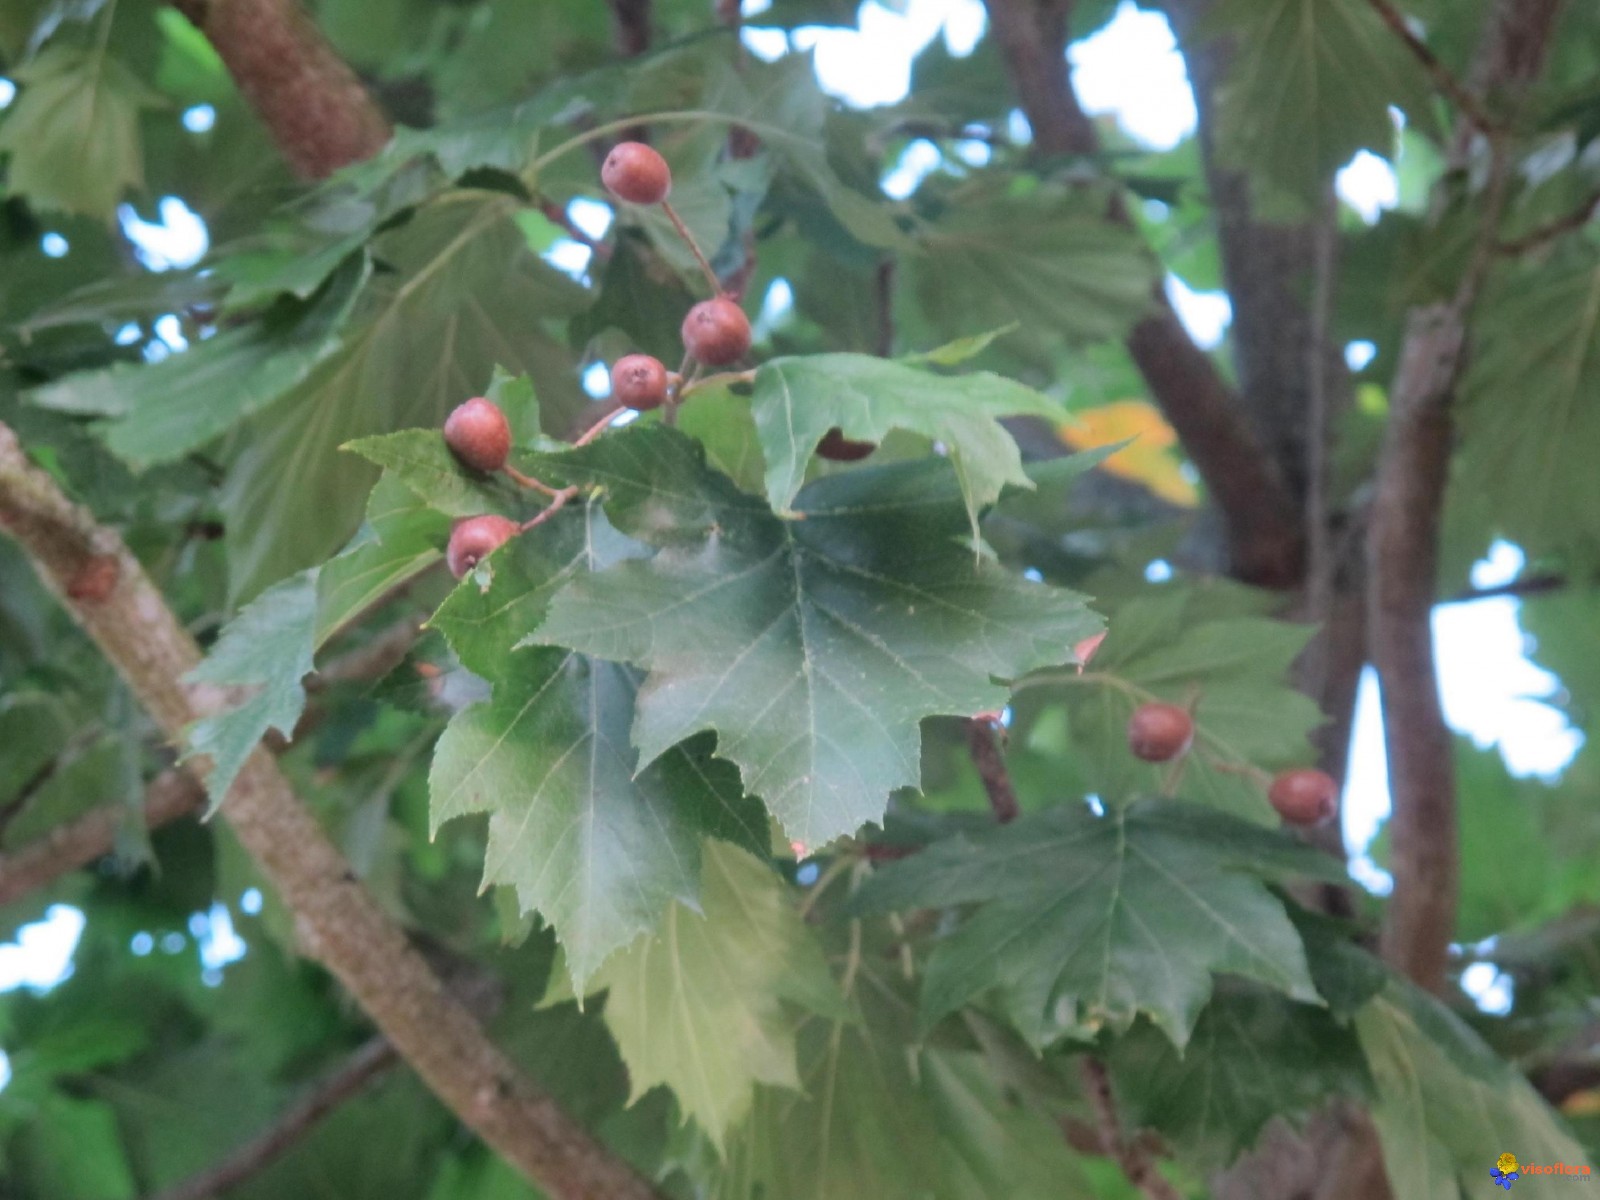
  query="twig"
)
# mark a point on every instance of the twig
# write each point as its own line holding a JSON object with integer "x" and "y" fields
{"x": 991, "y": 764}
{"x": 1528, "y": 585}
{"x": 630, "y": 21}
{"x": 557, "y": 215}
{"x": 555, "y": 506}
{"x": 1136, "y": 1162}
{"x": 1442, "y": 77}
{"x": 312, "y": 103}
{"x": 371, "y": 661}
{"x": 338, "y": 922}
{"x": 712, "y": 281}
{"x": 85, "y": 839}
{"x": 1265, "y": 535}
{"x": 1548, "y": 232}
{"x": 361, "y": 1068}
{"x": 883, "y": 281}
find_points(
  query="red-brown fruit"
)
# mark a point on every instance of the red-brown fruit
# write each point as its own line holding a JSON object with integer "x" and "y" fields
{"x": 639, "y": 382}
{"x": 835, "y": 447}
{"x": 473, "y": 540}
{"x": 478, "y": 433}
{"x": 1159, "y": 732}
{"x": 636, "y": 173}
{"x": 717, "y": 332}
{"x": 1304, "y": 796}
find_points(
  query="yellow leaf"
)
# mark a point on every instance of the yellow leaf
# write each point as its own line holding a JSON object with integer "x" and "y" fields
{"x": 1150, "y": 458}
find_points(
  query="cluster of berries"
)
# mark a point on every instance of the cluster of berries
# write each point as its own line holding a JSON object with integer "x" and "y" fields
{"x": 1159, "y": 733}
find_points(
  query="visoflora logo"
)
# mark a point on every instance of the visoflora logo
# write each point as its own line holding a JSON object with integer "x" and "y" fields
{"x": 1505, "y": 1171}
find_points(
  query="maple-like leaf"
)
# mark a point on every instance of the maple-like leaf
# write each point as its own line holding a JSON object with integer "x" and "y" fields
{"x": 1083, "y": 921}
{"x": 813, "y": 647}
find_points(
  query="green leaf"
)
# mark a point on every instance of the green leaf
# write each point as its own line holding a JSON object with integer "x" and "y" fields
{"x": 797, "y": 400}
{"x": 73, "y": 131}
{"x": 1447, "y": 1106}
{"x": 1048, "y": 261}
{"x": 812, "y": 647}
{"x": 162, "y": 411}
{"x": 72, "y": 1151}
{"x": 1528, "y": 426}
{"x": 877, "y": 1116}
{"x": 1254, "y": 1057}
{"x": 403, "y": 536}
{"x": 463, "y": 295}
{"x": 702, "y": 1005}
{"x": 420, "y": 459}
{"x": 1084, "y": 921}
{"x": 1309, "y": 83}
{"x": 266, "y": 650}
{"x": 1234, "y": 671}
{"x": 596, "y": 846}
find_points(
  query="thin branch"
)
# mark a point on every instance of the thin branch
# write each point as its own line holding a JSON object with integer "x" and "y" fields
{"x": 1528, "y": 585}
{"x": 1136, "y": 1162}
{"x": 1548, "y": 232}
{"x": 883, "y": 284}
{"x": 1403, "y": 549}
{"x": 382, "y": 654}
{"x": 337, "y": 921}
{"x": 630, "y": 22}
{"x": 374, "y": 1058}
{"x": 984, "y": 747}
{"x": 1265, "y": 537}
{"x": 316, "y": 109}
{"x": 1442, "y": 77}
{"x": 91, "y": 837}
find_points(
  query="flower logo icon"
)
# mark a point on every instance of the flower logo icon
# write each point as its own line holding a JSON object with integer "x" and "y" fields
{"x": 1505, "y": 1171}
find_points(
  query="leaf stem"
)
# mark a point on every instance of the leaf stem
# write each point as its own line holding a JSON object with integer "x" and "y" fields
{"x": 694, "y": 248}
{"x": 528, "y": 481}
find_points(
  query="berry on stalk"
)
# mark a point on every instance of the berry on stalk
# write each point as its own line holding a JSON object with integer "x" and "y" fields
{"x": 1160, "y": 732}
{"x": 639, "y": 382}
{"x": 478, "y": 434}
{"x": 835, "y": 447}
{"x": 1304, "y": 796}
{"x": 636, "y": 173}
{"x": 474, "y": 539}
{"x": 717, "y": 332}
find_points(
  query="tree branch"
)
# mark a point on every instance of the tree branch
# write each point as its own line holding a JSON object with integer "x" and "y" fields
{"x": 1136, "y": 1162}
{"x": 1441, "y": 75}
{"x": 1265, "y": 541}
{"x": 317, "y": 111}
{"x": 336, "y": 920}
{"x": 79, "y": 842}
{"x": 984, "y": 746}
{"x": 630, "y": 20}
{"x": 361, "y": 1068}
{"x": 1548, "y": 232}
{"x": 1402, "y": 547}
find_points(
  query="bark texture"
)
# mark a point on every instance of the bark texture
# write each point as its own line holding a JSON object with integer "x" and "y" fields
{"x": 336, "y": 920}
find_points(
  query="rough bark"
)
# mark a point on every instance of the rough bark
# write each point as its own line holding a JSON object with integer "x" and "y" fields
{"x": 317, "y": 111}
{"x": 1402, "y": 547}
{"x": 337, "y": 921}
{"x": 1265, "y": 541}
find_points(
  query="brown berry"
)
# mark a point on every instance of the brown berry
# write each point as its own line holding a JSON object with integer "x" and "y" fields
{"x": 717, "y": 332}
{"x": 478, "y": 433}
{"x": 1159, "y": 732}
{"x": 639, "y": 382}
{"x": 835, "y": 447}
{"x": 1304, "y": 796}
{"x": 636, "y": 173}
{"x": 473, "y": 540}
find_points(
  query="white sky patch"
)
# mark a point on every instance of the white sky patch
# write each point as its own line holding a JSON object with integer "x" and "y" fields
{"x": 54, "y": 245}
{"x": 591, "y": 216}
{"x": 917, "y": 161}
{"x": 1368, "y": 185}
{"x": 202, "y": 118}
{"x": 776, "y": 307}
{"x": 1491, "y": 693}
{"x": 1359, "y": 355}
{"x": 41, "y": 957}
{"x": 8, "y": 92}
{"x": 1490, "y": 989}
{"x": 1132, "y": 69}
{"x": 597, "y": 380}
{"x": 570, "y": 257}
{"x": 179, "y": 239}
{"x": 1206, "y": 315}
